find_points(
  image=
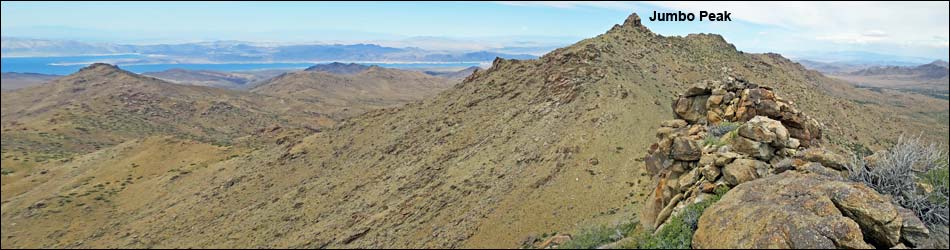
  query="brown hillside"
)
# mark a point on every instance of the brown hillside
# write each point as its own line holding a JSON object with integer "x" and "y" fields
{"x": 524, "y": 147}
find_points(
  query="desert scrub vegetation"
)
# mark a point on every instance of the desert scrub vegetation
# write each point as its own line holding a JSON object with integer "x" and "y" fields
{"x": 716, "y": 133}
{"x": 678, "y": 231}
{"x": 593, "y": 237}
{"x": 914, "y": 174}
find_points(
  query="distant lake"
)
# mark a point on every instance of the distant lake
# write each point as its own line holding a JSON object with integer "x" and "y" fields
{"x": 70, "y": 64}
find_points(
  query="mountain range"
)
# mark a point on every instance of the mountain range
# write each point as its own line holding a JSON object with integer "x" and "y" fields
{"x": 522, "y": 148}
{"x": 929, "y": 79}
{"x": 236, "y": 51}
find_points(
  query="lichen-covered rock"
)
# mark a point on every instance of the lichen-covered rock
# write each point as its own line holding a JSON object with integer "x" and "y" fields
{"x": 741, "y": 171}
{"x": 914, "y": 232}
{"x": 826, "y": 158}
{"x": 760, "y": 150}
{"x": 799, "y": 210}
{"x": 685, "y": 149}
{"x": 691, "y": 109}
{"x": 678, "y": 123}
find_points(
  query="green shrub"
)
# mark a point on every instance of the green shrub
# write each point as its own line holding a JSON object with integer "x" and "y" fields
{"x": 6, "y": 171}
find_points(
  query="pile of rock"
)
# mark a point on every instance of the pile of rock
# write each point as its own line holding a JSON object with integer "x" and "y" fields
{"x": 731, "y": 132}
{"x": 712, "y": 102}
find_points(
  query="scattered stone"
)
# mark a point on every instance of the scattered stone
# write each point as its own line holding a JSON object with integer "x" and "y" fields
{"x": 593, "y": 161}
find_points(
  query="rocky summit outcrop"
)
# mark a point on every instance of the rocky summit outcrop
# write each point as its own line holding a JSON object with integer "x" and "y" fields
{"x": 713, "y": 102}
{"x": 726, "y": 133}
{"x": 788, "y": 190}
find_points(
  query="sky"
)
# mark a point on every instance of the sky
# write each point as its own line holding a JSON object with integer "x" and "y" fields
{"x": 909, "y": 29}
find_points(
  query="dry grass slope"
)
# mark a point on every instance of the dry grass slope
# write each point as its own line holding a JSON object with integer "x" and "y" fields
{"x": 521, "y": 148}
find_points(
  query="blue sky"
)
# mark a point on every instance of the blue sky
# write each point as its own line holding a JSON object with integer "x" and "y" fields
{"x": 899, "y": 28}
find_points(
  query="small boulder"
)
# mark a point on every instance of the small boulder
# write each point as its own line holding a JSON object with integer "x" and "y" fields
{"x": 678, "y": 123}
{"x": 913, "y": 231}
{"x": 711, "y": 172}
{"x": 826, "y": 158}
{"x": 686, "y": 150}
{"x": 752, "y": 148}
{"x": 741, "y": 171}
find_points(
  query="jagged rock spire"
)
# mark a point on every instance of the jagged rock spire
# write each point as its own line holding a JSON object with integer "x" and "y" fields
{"x": 633, "y": 23}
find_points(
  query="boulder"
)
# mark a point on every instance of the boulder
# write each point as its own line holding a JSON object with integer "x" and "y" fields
{"x": 760, "y": 150}
{"x": 678, "y": 123}
{"x": 741, "y": 171}
{"x": 826, "y": 158}
{"x": 757, "y": 130}
{"x": 914, "y": 232}
{"x": 691, "y": 109}
{"x": 685, "y": 149}
{"x": 711, "y": 172}
{"x": 697, "y": 90}
{"x": 799, "y": 210}
{"x": 878, "y": 218}
{"x": 687, "y": 180}
{"x": 724, "y": 158}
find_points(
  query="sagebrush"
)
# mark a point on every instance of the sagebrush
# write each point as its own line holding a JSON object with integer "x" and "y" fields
{"x": 914, "y": 174}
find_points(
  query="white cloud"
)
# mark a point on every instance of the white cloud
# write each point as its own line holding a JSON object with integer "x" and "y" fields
{"x": 838, "y": 22}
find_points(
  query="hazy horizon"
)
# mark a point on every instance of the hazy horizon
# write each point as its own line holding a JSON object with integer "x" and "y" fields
{"x": 795, "y": 29}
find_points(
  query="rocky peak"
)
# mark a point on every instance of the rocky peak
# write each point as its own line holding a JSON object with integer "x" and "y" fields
{"x": 100, "y": 67}
{"x": 632, "y": 23}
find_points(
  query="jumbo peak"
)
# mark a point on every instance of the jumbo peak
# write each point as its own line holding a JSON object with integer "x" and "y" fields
{"x": 632, "y": 23}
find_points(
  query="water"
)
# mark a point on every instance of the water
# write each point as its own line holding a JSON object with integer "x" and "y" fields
{"x": 137, "y": 63}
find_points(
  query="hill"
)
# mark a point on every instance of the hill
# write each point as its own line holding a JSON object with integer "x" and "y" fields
{"x": 458, "y": 75}
{"x": 338, "y": 68}
{"x": 522, "y": 148}
{"x": 344, "y": 95}
{"x": 219, "y": 79}
{"x": 12, "y": 80}
{"x": 102, "y": 105}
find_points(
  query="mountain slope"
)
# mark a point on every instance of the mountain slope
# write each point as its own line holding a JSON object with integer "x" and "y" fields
{"x": 524, "y": 147}
{"x": 101, "y": 106}
{"x": 11, "y": 81}
{"x": 343, "y": 95}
